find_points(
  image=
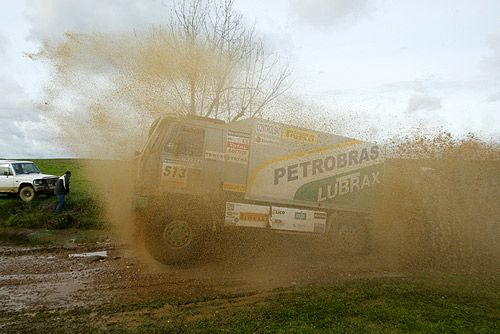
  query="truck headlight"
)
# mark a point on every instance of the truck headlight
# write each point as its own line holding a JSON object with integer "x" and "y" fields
{"x": 37, "y": 182}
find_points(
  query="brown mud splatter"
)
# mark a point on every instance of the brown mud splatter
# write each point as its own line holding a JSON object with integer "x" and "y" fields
{"x": 439, "y": 208}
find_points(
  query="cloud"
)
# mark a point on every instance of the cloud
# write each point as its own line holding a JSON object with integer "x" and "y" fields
{"x": 24, "y": 132}
{"x": 327, "y": 12}
{"x": 423, "y": 102}
{"x": 3, "y": 44}
{"x": 494, "y": 98}
{"x": 50, "y": 19}
{"x": 494, "y": 42}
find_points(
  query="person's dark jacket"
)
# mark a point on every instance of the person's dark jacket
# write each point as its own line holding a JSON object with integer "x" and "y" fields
{"x": 62, "y": 185}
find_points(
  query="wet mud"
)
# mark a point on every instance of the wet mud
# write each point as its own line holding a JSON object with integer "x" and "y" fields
{"x": 38, "y": 278}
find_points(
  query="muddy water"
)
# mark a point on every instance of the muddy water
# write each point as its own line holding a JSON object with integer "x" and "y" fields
{"x": 51, "y": 279}
{"x": 46, "y": 280}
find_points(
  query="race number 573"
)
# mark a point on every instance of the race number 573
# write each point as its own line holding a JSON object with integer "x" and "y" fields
{"x": 173, "y": 172}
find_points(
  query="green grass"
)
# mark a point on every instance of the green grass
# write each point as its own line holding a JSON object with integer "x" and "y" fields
{"x": 371, "y": 306}
{"x": 82, "y": 209}
{"x": 426, "y": 304}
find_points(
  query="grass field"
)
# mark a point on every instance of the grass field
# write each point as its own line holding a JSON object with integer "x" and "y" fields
{"x": 424, "y": 304}
{"x": 82, "y": 209}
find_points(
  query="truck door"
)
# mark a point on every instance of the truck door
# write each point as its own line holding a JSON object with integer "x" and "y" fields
{"x": 237, "y": 150}
{"x": 185, "y": 168}
{"x": 6, "y": 178}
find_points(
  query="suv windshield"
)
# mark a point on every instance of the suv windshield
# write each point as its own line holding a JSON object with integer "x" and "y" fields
{"x": 25, "y": 168}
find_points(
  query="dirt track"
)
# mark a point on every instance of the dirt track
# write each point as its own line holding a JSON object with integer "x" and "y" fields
{"x": 34, "y": 278}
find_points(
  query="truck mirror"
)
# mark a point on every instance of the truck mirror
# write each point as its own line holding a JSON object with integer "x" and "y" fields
{"x": 6, "y": 173}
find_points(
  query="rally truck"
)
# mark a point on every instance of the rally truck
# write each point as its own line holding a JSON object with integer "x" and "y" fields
{"x": 199, "y": 176}
{"x": 25, "y": 179}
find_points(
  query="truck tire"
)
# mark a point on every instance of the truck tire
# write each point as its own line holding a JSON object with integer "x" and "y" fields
{"x": 27, "y": 193}
{"x": 351, "y": 237}
{"x": 174, "y": 238}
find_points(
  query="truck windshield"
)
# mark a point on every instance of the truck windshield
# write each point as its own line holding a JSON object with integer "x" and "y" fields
{"x": 188, "y": 142}
{"x": 25, "y": 168}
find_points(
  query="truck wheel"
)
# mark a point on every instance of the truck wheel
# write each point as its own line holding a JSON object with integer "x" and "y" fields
{"x": 173, "y": 240}
{"x": 27, "y": 193}
{"x": 349, "y": 234}
{"x": 351, "y": 237}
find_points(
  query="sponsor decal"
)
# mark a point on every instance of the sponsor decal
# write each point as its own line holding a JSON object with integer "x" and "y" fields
{"x": 237, "y": 152}
{"x": 238, "y": 142}
{"x": 355, "y": 188}
{"x": 344, "y": 174}
{"x": 300, "y": 215}
{"x": 260, "y": 174}
{"x": 320, "y": 215}
{"x": 227, "y": 156}
{"x": 252, "y": 216}
{"x": 269, "y": 129}
{"x": 347, "y": 184}
{"x": 268, "y": 133}
{"x": 266, "y": 141}
{"x": 186, "y": 161}
{"x": 327, "y": 164}
{"x": 234, "y": 187}
{"x": 249, "y": 215}
{"x": 300, "y": 135}
{"x": 237, "y": 146}
{"x": 297, "y": 220}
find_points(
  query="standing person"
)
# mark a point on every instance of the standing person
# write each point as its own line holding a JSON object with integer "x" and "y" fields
{"x": 61, "y": 189}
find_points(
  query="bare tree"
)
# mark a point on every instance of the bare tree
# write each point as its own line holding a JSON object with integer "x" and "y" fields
{"x": 229, "y": 75}
{"x": 205, "y": 62}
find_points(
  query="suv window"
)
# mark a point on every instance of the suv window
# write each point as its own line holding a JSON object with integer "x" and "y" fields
{"x": 189, "y": 142}
{"x": 25, "y": 168}
{"x": 4, "y": 168}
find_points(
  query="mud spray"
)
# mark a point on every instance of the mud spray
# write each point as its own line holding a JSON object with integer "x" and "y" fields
{"x": 439, "y": 208}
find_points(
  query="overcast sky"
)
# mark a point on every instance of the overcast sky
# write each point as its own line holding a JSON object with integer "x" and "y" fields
{"x": 394, "y": 64}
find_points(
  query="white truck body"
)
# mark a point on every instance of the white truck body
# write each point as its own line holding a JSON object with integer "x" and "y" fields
{"x": 274, "y": 163}
{"x": 258, "y": 173}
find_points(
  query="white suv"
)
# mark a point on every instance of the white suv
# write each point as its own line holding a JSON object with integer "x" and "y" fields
{"x": 25, "y": 179}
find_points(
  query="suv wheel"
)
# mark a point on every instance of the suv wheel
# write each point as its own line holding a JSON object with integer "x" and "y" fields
{"x": 27, "y": 193}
